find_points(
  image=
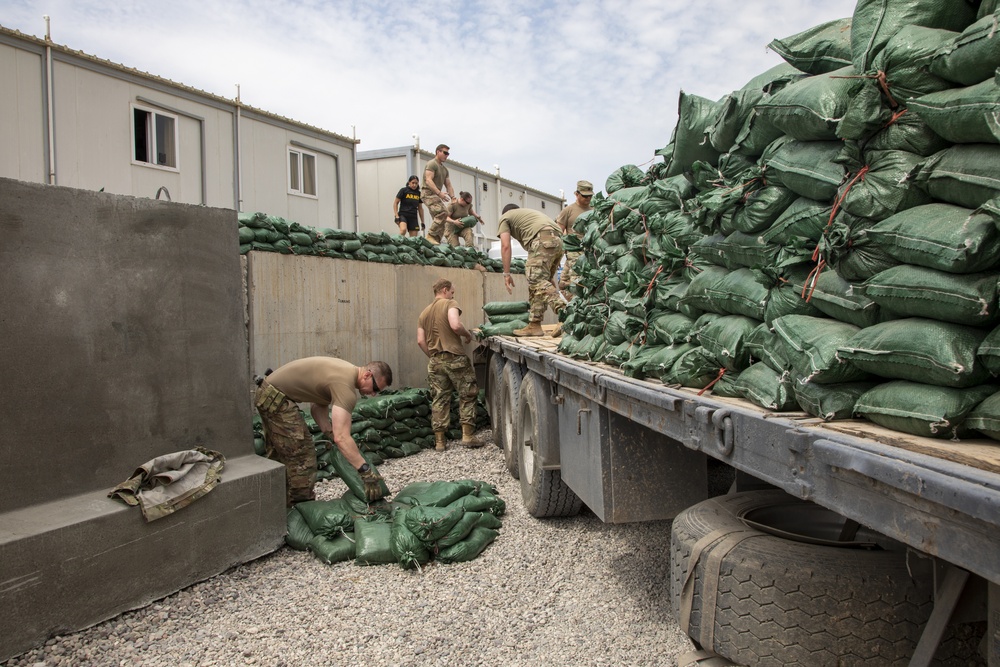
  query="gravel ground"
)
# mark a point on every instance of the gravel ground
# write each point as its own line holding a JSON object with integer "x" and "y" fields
{"x": 548, "y": 592}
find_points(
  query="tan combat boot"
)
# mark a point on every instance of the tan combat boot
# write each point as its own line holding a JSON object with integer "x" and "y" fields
{"x": 469, "y": 438}
{"x": 533, "y": 329}
{"x": 439, "y": 442}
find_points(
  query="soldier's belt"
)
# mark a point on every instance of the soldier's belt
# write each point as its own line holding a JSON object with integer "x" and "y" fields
{"x": 269, "y": 398}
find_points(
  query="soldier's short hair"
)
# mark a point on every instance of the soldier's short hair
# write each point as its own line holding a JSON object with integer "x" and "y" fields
{"x": 509, "y": 207}
{"x": 381, "y": 370}
{"x": 442, "y": 147}
{"x": 441, "y": 284}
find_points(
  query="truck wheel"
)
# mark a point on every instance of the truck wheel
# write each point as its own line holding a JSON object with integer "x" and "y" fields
{"x": 757, "y": 598}
{"x": 543, "y": 491}
{"x": 510, "y": 386}
{"x": 494, "y": 371}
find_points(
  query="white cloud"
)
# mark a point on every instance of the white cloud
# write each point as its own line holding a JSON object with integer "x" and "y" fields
{"x": 552, "y": 91}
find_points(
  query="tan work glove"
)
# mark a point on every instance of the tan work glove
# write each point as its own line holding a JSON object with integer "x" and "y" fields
{"x": 372, "y": 481}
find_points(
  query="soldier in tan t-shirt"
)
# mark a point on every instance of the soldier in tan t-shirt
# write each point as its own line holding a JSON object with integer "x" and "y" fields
{"x": 453, "y": 227}
{"x": 440, "y": 334}
{"x": 541, "y": 237}
{"x": 584, "y": 193}
{"x": 329, "y": 386}
{"x": 437, "y": 192}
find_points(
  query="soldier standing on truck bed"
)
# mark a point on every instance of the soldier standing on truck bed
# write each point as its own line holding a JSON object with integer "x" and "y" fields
{"x": 584, "y": 193}
{"x": 436, "y": 181}
{"x": 540, "y": 236}
{"x": 328, "y": 385}
{"x": 440, "y": 334}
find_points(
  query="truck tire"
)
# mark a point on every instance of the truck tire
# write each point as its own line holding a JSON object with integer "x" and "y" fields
{"x": 544, "y": 492}
{"x": 510, "y": 386}
{"x": 494, "y": 372}
{"x": 760, "y": 599}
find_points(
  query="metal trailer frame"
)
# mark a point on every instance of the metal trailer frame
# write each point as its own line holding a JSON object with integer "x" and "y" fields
{"x": 944, "y": 509}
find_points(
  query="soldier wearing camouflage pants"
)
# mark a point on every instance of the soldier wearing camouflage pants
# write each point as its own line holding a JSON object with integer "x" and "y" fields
{"x": 440, "y": 334}
{"x": 540, "y": 236}
{"x": 584, "y": 193}
{"x": 329, "y": 385}
{"x": 433, "y": 194}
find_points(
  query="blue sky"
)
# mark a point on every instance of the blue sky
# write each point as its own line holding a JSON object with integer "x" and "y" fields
{"x": 551, "y": 91}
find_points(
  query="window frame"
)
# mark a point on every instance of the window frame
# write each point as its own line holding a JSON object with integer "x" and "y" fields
{"x": 300, "y": 172}
{"x": 151, "y": 140}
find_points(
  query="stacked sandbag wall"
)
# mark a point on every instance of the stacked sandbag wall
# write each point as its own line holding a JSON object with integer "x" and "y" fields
{"x": 824, "y": 238}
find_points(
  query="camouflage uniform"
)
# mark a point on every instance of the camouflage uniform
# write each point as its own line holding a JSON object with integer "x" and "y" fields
{"x": 288, "y": 442}
{"x": 568, "y": 276}
{"x": 439, "y": 213}
{"x": 544, "y": 253}
{"x": 447, "y": 372}
{"x": 452, "y": 233}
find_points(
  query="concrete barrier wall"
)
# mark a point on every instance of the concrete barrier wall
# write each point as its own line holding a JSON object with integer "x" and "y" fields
{"x": 123, "y": 340}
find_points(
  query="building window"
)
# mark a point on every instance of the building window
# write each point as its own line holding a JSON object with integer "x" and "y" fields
{"x": 301, "y": 172}
{"x": 154, "y": 138}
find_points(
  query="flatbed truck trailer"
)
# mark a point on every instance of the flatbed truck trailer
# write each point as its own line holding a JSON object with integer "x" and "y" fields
{"x": 577, "y": 432}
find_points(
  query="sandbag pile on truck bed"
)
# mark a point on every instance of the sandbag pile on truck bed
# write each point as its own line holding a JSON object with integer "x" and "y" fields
{"x": 823, "y": 239}
{"x": 271, "y": 233}
{"x": 503, "y": 317}
{"x": 392, "y": 424}
{"x": 446, "y": 521}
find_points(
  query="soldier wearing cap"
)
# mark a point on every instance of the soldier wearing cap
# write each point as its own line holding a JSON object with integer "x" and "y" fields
{"x": 540, "y": 236}
{"x": 584, "y": 193}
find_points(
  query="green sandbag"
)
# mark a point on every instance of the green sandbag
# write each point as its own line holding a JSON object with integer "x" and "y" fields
{"x": 964, "y": 175}
{"x": 662, "y": 361}
{"x": 247, "y": 235}
{"x": 626, "y": 176}
{"x": 735, "y": 109}
{"x": 504, "y": 318}
{"x": 697, "y": 294}
{"x": 465, "y": 525}
{"x": 473, "y": 545}
{"x": 830, "y": 401}
{"x": 908, "y": 133}
{"x": 429, "y": 524}
{"x": 985, "y": 417}
{"x": 818, "y": 50}
{"x": 810, "y": 109}
{"x": 373, "y": 542}
{"x": 971, "y": 56}
{"x": 728, "y": 385}
{"x": 502, "y": 329}
{"x": 328, "y": 518}
{"x": 764, "y": 345}
{"x": 622, "y": 328}
{"x": 725, "y": 339}
{"x": 695, "y": 368}
{"x": 635, "y": 367}
{"x": 920, "y": 350}
{"x": 763, "y": 386}
{"x": 761, "y": 208}
{"x": 689, "y": 146}
{"x": 915, "y": 291}
{"x": 483, "y": 501}
{"x": 876, "y": 21}
{"x": 807, "y": 168}
{"x": 299, "y": 238}
{"x": 469, "y": 221}
{"x": 940, "y": 236}
{"x": 922, "y": 409}
{"x": 434, "y": 494}
{"x": 811, "y": 345}
{"x": 803, "y": 219}
{"x": 407, "y": 549}
{"x": 669, "y": 328}
{"x": 848, "y": 249}
{"x": 785, "y": 296}
{"x": 336, "y": 550}
{"x": 884, "y": 190}
{"x": 351, "y": 477}
{"x": 747, "y": 250}
{"x": 988, "y": 351}
{"x": 964, "y": 115}
{"x": 739, "y": 293}
{"x": 499, "y": 307}
{"x": 297, "y": 535}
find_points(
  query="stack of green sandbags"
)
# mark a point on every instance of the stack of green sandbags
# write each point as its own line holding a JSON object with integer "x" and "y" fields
{"x": 446, "y": 521}
{"x": 823, "y": 239}
{"x": 503, "y": 317}
{"x": 270, "y": 233}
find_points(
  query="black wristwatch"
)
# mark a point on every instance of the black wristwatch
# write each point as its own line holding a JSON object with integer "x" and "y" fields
{"x": 397, "y": 218}
{"x": 364, "y": 468}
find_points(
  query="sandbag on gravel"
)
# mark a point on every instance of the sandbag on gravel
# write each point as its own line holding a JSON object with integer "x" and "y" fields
{"x": 965, "y": 174}
{"x": 465, "y": 525}
{"x": 922, "y": 409}
{"x": 327, "y": 518}
{"x": 971, "y": 56}
{"x": 470, "y": 547}
{"x": 940, "y": 236}
{"x": 297, "y": 532}
{"x": 373, "y": 542}
{"x": 915, "y": 291}
{"x": 985, "y": 417}
{"x": 763, "y": 386}
{"x": 818, "y": 50}
{"x": 920, "y": 350}
{"x": 963, "y": 115}
{"x": 830, "y": 401}
{"x": 811, "y": 346}
{"x": 336, "y": 550}
{"x": 350, "y": 475}
{"x": 434, "y": 494}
